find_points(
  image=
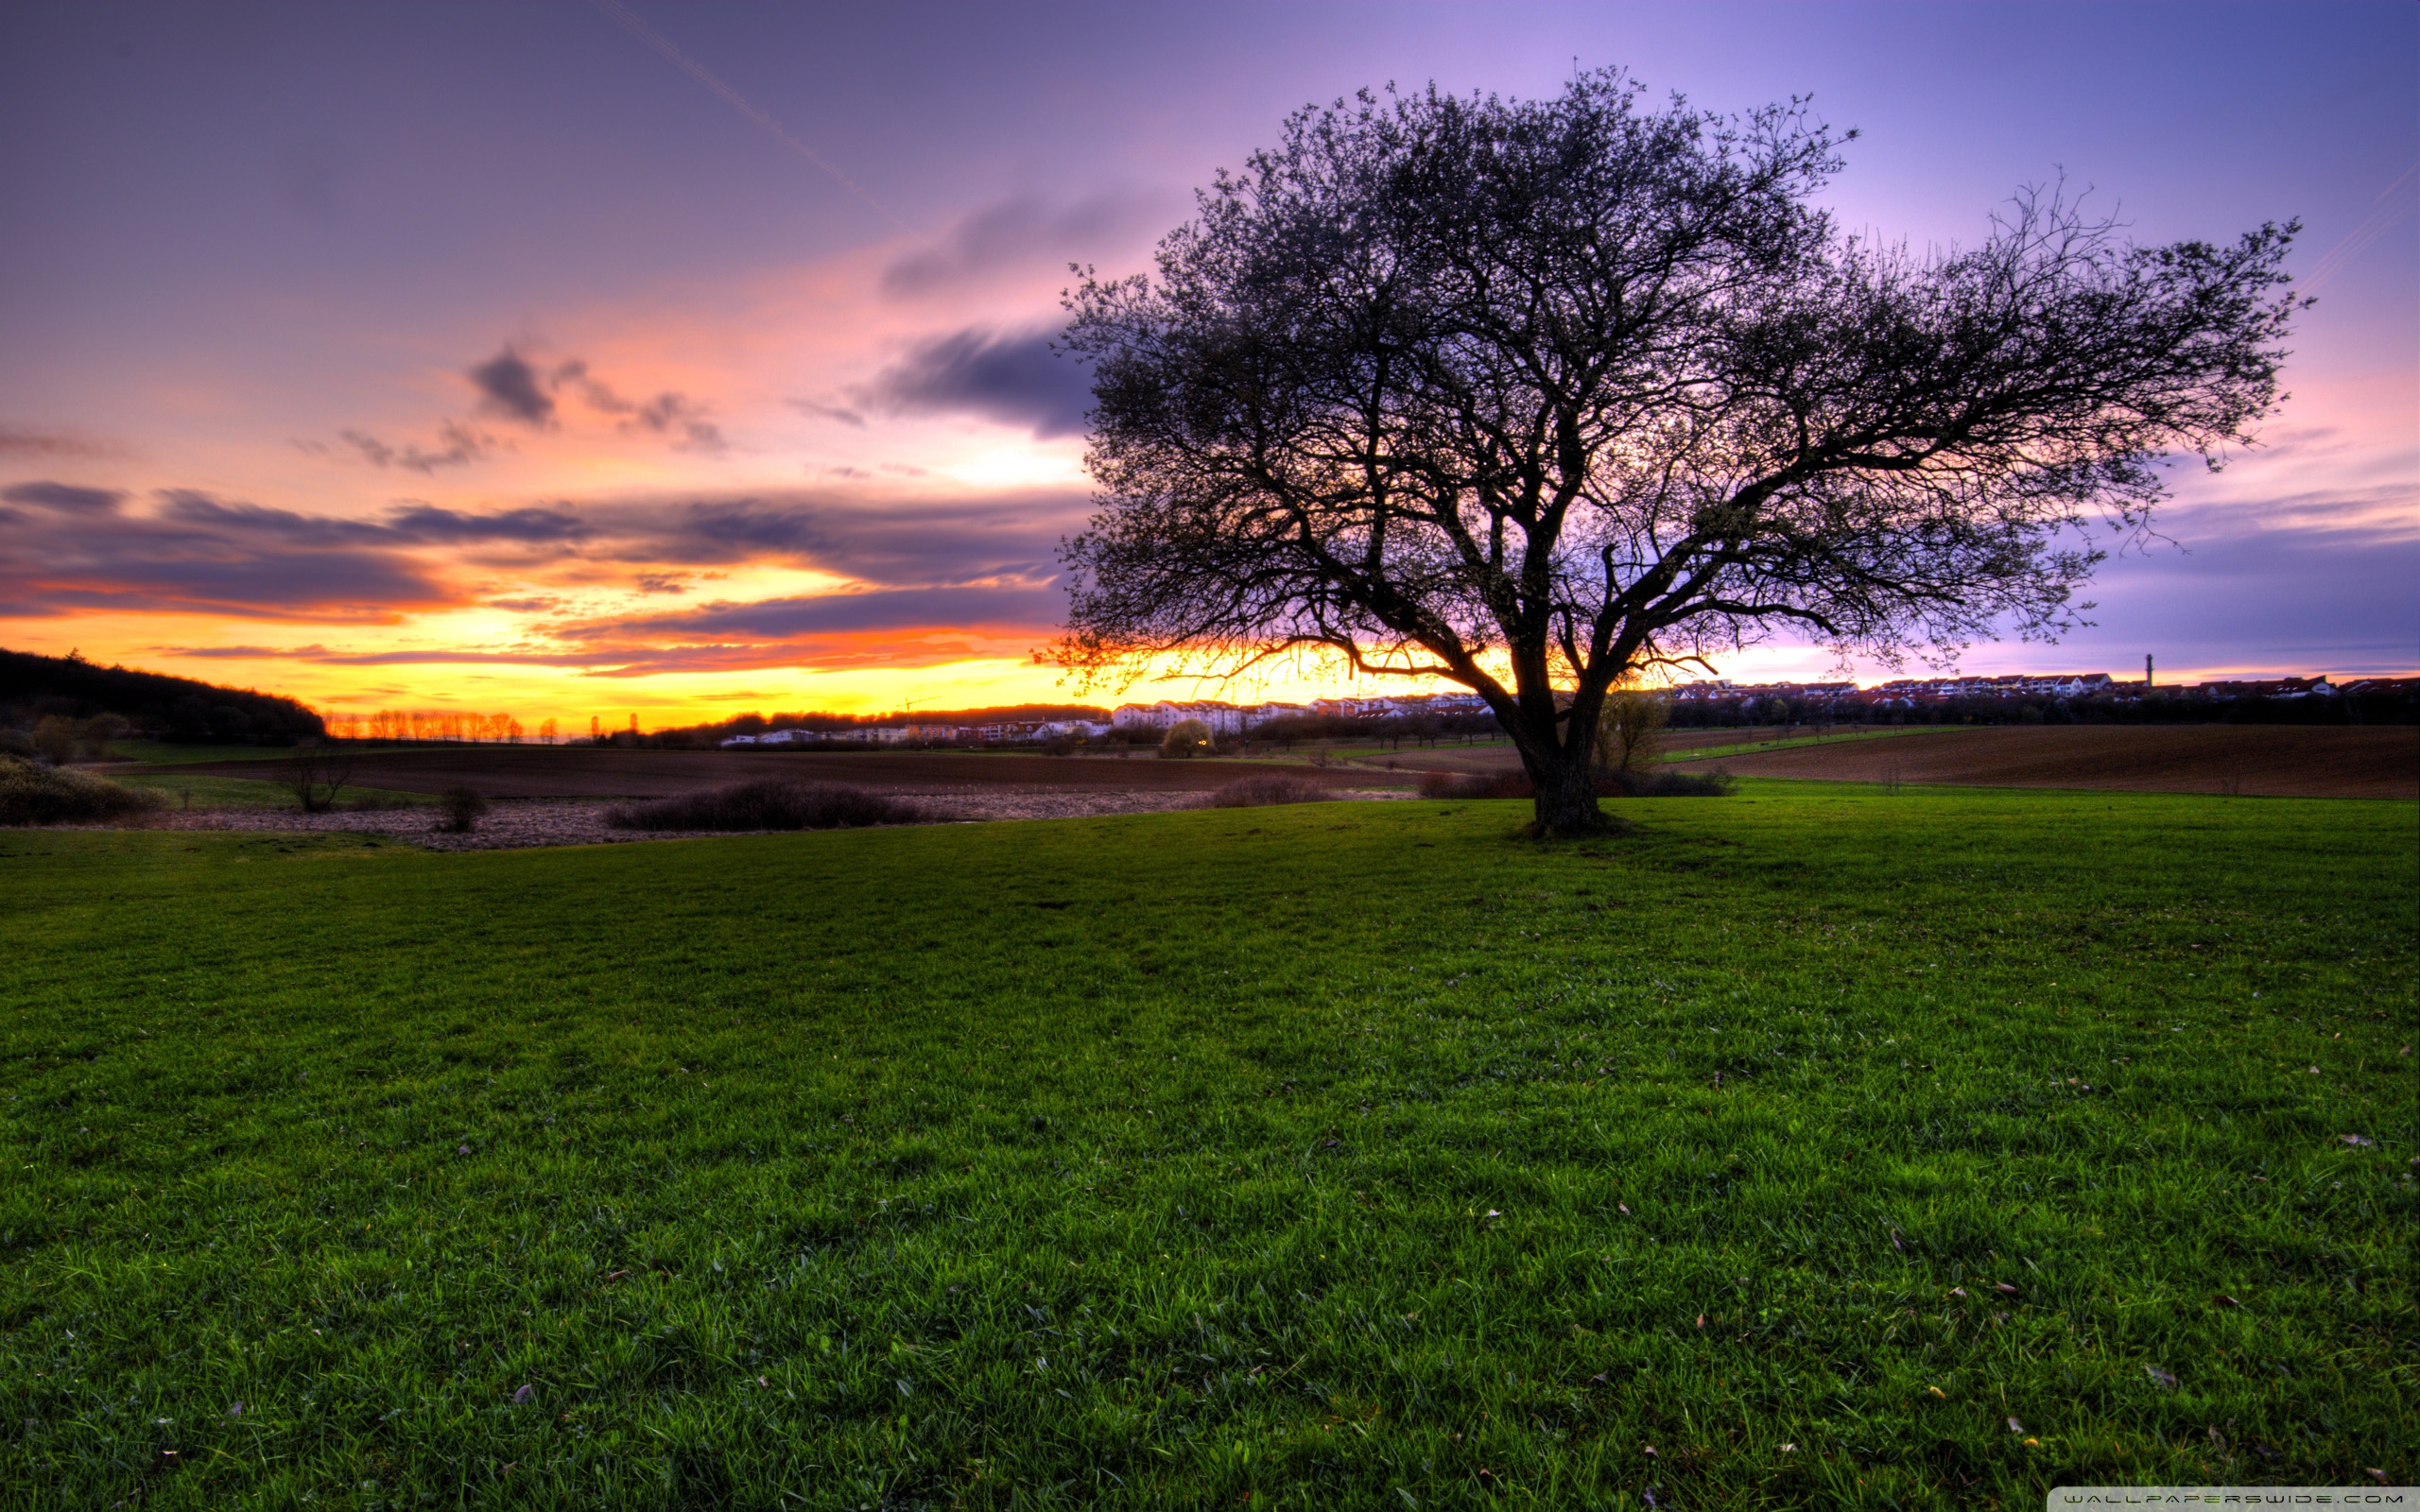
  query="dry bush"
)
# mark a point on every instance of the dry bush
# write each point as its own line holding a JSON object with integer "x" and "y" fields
{"x": 1609, "y": 784}
{"x": 1668, "y": 785}
{"x": 1515, "y": 783}
{"x": 458, "y": 810}
{"x": 768, "y": 804}
{"x": 33, "y": 794}
{"x": 1266, "y": 789}
{"x": 315, "y": 773}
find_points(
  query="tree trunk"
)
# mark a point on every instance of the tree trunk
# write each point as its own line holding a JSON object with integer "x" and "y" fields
{"x": 1567, "y": 800}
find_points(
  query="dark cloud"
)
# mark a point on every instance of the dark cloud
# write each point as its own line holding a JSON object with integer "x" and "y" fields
{"x": 191, "y": 507}
{"x": 428, "y": 524}
{"x": 244, "y": 653}
{"x": 65, "y": 497}
{"x": 457, "y": 443}
{"x": 132, "y": 567}
{"x": 1034, "y": 608}
{"x": 69, "y": 445}
{"x": 926, "y": 564}
{"x": 1021, "y": 231}
{"x": 842, "y": 413}
{"x": 412, "y": 524}
{"x": 888, "y": 543}
{"x": 509, "y": 387}
{"x": 1013, "y": 378}
{"x": 671, "y": 414}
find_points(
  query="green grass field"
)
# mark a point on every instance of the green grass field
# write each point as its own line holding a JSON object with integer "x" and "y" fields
{"x": 168, "y": 754}
{"x": 181, "y": 790}
{"x": 1813, "y": 1147}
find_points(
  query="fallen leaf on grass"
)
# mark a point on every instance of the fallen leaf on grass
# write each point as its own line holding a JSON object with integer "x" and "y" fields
{"x": 2165, "y": 1380}
{"x": 2355, "y": 1139}
{"x": 2015, "y": 1427}
{"x": 2004, "y": 1288}
{"x": 1936, "y": 1391}
{"x": 525, "y": 1396}
{"x": 1958, "y": 1291}
{"x": 1622, "y": 1208}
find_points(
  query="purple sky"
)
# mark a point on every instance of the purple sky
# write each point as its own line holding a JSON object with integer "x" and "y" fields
{"x": 486, "y": 356}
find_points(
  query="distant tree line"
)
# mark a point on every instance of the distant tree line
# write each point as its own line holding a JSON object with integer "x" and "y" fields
{"x": 845, "y": 731}
{"x": 2398, "y": 704}
{"x": 75, "y": 692}
{"x": 439, "y": 725}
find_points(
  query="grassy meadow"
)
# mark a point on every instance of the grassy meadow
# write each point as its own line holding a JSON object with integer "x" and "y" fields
{"x": 185, "y": 791}
{"x": 1816, "y": 1146}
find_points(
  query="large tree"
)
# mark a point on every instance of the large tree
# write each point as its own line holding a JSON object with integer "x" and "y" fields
{"x": 1540, "y": 396}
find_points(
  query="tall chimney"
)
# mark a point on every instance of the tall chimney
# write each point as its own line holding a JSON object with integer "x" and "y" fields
{"x": 2147, "y": 669}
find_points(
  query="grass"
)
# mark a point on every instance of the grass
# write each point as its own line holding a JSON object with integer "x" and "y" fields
{"x": 203, "y": 792}
{"x": 1331, "y": 1156}
{"x": 767, "y": 803}
{"x": 1696, "y": 753}
{"x": 169, "y": 753}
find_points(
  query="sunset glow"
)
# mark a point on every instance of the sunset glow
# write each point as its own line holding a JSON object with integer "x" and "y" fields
{"x": 400, "y": 386}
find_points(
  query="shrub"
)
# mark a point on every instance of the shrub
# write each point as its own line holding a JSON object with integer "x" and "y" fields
{"x": 31, "y": 794}
{"x": 1267, "y": 788}
{"x": 1186, "y": 737}
{"x": 55, "y": 737}
{"x": 1669, "y": 785}
{"x": 1630, "y": 729}
{"x": 768, "y": 804}
{"x": 1516, "y": 784}
{"x": 458, "y": 810}
{"x": 315, "y": 773}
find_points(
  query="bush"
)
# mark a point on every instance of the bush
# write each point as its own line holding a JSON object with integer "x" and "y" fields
{"x": 31, "y": 794}
{"x": 1186, "y": 737}
{"x": 458, "y": 810}
{"x": 1516, "y": 784}
{"x": 1270, "y": 788}
{"x": 1630, "y": 729}
{"x": 1668, "y": 785}
{"x": 769, "y": 804}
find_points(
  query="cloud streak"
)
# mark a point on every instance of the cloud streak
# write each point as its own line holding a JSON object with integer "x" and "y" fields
{"x": 1010, "y": 234}
{"x": 1016, "y": 378}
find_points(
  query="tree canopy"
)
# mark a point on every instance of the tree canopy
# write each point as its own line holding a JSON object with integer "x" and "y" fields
{"x": 1541, "y": 396}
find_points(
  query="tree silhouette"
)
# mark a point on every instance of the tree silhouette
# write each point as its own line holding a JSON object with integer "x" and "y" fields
{"x": 1536, "y": 395}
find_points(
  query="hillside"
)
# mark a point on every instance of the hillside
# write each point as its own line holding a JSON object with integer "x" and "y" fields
{"x": 153, "y": 703}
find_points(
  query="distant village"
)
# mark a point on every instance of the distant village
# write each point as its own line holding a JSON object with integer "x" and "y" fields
{"x": 2016, "y": 697}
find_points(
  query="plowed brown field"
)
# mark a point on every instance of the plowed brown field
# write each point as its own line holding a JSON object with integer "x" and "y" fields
{"x": 2277, "y": 761}
{"x": 578, "y": 772}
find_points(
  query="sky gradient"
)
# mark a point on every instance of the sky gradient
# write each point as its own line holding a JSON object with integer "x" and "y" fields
{"x": 594, "y": 358}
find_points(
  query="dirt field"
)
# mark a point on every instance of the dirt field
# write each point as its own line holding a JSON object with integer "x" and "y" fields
{"x": 573, "y": 771}
{"x": 2276, "y": 761}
